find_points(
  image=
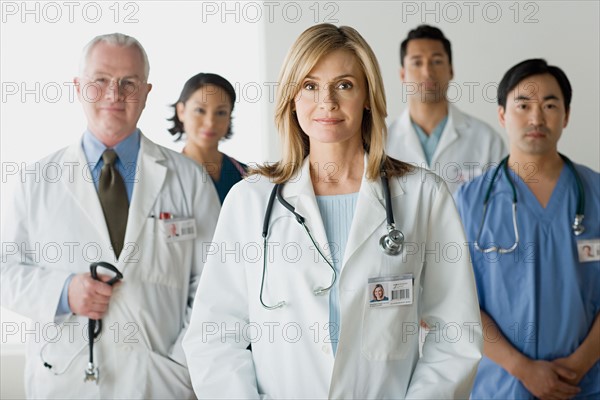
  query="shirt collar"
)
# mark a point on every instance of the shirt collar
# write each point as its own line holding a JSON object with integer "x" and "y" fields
{"x": 436, "y": 133}
{"x": 127, "y": 150}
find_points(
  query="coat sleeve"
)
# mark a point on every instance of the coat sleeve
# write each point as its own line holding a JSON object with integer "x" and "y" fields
{"x": 449, "y": 305}
{"x": 30, "y": 286}
{"x": 206, "y": 208}
{"x": 216, "y": 350}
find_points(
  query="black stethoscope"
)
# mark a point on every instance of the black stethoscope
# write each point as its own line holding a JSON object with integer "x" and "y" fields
{"x": 94, "y": 329}
{"x": 390, "y": 243}
{"x": 577, "y": 226}
{"x": 95, "y": 326}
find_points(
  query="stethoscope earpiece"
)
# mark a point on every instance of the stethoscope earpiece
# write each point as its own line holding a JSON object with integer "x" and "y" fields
{"x": 320, "y": 291}
{"x": 278, "y": 305}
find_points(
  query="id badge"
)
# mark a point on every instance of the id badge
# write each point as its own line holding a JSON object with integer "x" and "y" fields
{"x": 588, "y": 250}
{"x": 178, "y": 229}
{"x": 390, "y": 291}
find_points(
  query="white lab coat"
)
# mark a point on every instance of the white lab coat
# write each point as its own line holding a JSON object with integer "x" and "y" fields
{"x": 467, "y": 147}
{"x": 56, "y": 227}
{"x": 377, "y": 355}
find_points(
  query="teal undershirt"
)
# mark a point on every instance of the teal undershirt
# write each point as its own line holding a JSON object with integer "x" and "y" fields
{"x": 430, "y": 142}
{"x": 229, "y": 177}
{"x": 337, "y": 212}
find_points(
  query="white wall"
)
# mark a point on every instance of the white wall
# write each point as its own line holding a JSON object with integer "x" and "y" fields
{"x": 486, "y": 42}
{"x": 185, "y": 37}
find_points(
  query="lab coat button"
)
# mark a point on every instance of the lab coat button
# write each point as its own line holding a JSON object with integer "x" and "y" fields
{"x": 326, "y": 349}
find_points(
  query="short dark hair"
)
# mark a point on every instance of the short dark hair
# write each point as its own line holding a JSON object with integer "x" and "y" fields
{"x": 194, "y": 83}
{"x": 527, "y": 68}
{"x": 425, "y": 32}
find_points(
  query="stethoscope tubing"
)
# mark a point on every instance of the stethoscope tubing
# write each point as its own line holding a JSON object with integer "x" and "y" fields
{"x": 393, "y": 239}
{"x": 577, "y": 226}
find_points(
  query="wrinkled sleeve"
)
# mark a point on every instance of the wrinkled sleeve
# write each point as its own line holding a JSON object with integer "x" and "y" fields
{"x": 220, "y": 364}
{"x": 453, "y": 346}
{"x": 30, "y": 286}
{"x": 206, "y": 206}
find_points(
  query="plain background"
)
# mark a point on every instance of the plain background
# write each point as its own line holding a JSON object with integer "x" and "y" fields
{"x": 246, "y": 42}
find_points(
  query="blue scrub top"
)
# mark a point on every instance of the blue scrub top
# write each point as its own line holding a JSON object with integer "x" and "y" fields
{"x": 541, "y": 297}
{"x": 230, "y": 175}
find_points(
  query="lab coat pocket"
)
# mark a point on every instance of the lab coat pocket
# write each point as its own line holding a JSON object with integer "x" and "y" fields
{"x": 167, "y": 379}
{"x": 163, "y": 260}
{"x": 388, "y": 333}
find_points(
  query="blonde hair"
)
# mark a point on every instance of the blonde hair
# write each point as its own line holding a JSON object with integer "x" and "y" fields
{"x": 310, "y": 47}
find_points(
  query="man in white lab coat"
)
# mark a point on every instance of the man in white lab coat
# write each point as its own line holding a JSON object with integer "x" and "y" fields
{"x": 432, "y": 133}
{"x": 115, "y": 199}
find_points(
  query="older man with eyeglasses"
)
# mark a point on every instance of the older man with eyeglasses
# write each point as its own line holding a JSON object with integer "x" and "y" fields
{"x": 115, "y": 206}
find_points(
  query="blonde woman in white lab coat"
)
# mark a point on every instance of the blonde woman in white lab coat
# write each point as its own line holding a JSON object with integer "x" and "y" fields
{"x": 314, "y": 332}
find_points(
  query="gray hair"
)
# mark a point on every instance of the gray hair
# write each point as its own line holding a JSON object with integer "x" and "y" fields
{"x": 117, "y": 39}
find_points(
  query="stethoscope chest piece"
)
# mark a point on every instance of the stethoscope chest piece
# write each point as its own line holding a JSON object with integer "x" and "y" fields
{"x": 91, "y": 373}
{"x": 392, "y": 242}
{"x": 578, "y": 227}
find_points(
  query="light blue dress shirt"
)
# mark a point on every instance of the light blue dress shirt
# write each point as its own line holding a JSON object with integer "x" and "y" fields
{"x": 430, "y": 142}
{"x": 337, "y": 213}
{"x": 127, "y": 152}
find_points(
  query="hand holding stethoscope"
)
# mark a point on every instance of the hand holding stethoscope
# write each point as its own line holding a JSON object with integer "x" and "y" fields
{"x": 94, "y": 329}
{"x": 95, "y": 326}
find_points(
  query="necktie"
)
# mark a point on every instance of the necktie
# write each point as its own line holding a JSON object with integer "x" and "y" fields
{"x": 113, "y": 198}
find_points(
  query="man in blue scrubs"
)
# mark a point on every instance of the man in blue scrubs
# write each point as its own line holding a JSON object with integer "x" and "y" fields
{"x": 540, "y": 302}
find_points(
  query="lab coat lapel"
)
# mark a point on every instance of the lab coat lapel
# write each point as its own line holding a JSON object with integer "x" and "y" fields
{"x": 299, "y": 192}
{"x": 369, "y": 214}
{"x": 411, "y": 143}
{"x": 450, "y": 133}
{"x": 81, "y": 187}
{"x": 150, "y": 176}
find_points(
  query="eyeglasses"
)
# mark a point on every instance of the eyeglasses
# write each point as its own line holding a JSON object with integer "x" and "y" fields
{"x": 125, "y": 85}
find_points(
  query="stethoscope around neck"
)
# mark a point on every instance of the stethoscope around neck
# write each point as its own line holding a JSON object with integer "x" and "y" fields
{"x": 577, "y": 226}
{"x": 390, "y": 243}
